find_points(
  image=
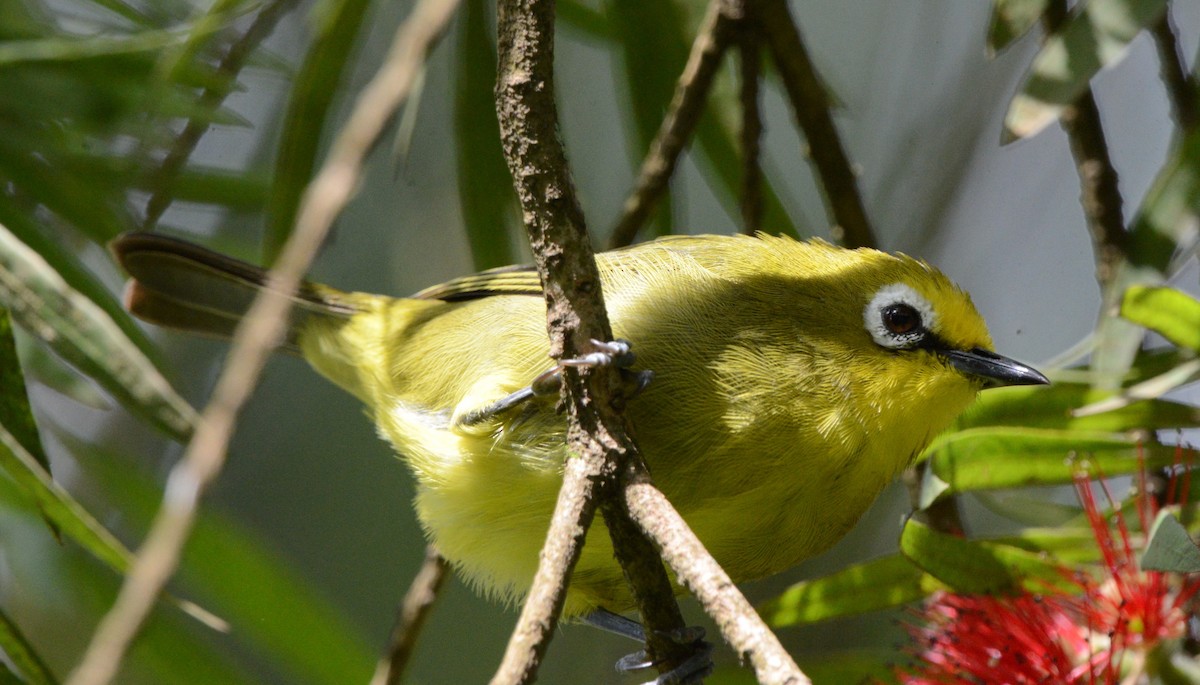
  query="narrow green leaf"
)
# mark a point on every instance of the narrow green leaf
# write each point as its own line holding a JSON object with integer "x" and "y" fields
{"x": 485, "y": 189}
{"x": 58, "y": 506}
{"x": 879, "y": 584}
{"x": 1169, "y": 547}
{"x": 69, "y": 48}
{"x": 308, "y": 108}
{"x": 1093, "y": 38}
{"x": 1171, "y": 313}
{"x": 988, "y": 458}
{"x": 981, "y": 567}
{"x": 42, "y": 302}
{"x": 1012, "y": 19}
{"x": 1054, "y": 406}
{"x": 16, "y": 416}
{"x": 22, "y": 655}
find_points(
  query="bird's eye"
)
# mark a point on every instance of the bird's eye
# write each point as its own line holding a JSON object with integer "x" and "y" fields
{"x": 901, "y": 319}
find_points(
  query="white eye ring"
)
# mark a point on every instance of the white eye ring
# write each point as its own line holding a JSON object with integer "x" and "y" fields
{"x": 889, "y": 296}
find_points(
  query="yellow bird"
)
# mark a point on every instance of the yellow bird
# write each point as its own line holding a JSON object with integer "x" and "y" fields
{"x": 792, "y": 382}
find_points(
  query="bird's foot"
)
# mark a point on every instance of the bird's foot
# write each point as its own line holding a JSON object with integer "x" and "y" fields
{"x": 693, "y": 669}
{"x": 616, "y": 352}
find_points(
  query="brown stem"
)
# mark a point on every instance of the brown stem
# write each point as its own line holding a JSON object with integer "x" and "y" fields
{"x": 410, "y": 618}
{"x": 1099, "y": 191}
{"x": 695, "y": 568}
{"x": 598, "y": 437}
{"x": 1181, "y": 85}
{"x": 749, "y": 46}
{"x": 230, "y": 65}
{"x": 810, "y": 104}
{"x": 683, "y": 114}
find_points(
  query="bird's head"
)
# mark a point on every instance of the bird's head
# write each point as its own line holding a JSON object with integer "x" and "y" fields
{"x": 922, "y": 310}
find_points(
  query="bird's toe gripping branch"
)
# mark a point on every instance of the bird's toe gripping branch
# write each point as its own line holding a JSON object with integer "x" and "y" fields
{"x": 616, "y": 352}
{"x": 693, "y": 669}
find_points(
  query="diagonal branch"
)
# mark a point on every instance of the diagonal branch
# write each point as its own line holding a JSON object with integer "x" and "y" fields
{"x": 810, "y": 104}
{"x": 683, "y": 114}
{"x": 259, "y": 333}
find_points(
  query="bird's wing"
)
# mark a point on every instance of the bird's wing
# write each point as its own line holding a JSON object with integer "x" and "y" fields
{"x": 506, "y": 280}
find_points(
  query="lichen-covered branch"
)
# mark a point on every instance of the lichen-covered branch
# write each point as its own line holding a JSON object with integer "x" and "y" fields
{"x": 597, "y": 436}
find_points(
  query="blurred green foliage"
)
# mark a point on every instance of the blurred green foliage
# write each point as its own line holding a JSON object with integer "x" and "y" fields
{"x": 96, "y": 101}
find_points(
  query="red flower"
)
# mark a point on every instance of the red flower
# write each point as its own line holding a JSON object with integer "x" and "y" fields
{"x": 1099, "y": 632}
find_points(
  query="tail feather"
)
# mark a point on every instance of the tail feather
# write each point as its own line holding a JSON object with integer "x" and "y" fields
{"x": 180, "y": 285}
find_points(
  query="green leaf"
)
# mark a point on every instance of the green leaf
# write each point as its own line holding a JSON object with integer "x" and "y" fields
{"x": 485, "y": 189}
{"x": 69, "y": 48}
{"x": 988, "y": 458}
{"x": 980, "y": 567}
{"x": 58, "y": 506}
{"x": 1093, "y": 38}
{"x": 1012, "y": 19}
{"x": 83, "y": 334}
{"x": 313, "y": 91}
{"x": 16, "y": 416}
{"x": 1171, "y": 313}
{"x": 1169, "y": 547}
{"x": 879, "y": 584}
{"x": 22, "y": 655}
{"x": 1054, "y": 406}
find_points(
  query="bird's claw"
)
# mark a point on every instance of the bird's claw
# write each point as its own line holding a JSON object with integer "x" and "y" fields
{"x": 697, "y": 666}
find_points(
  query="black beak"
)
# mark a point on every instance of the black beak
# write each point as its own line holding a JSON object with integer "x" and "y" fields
{"x": 993, "y": 369}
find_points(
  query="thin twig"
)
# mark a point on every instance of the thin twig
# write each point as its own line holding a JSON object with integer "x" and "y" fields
{"x": 259, "y": 332}
{"x": 810, "y": 104}
{"x": 410, "y": 618}
{"x": 687, "y": 104}
{"x": 695, "y": 568}
{"x": 1181, "y": 84}
{"x": 598, "y": 437}
{"x": 1100, "y": 193}
{"x": 230, "y": 65}
{"x": 749, "y": 47}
